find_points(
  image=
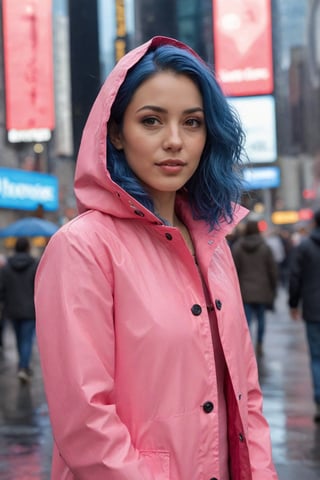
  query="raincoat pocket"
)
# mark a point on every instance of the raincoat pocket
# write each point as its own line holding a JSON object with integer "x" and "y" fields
{"x": 158, "y": 462}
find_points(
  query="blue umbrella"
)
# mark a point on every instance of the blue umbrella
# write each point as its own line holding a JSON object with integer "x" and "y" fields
{"x": 29, "y": 227}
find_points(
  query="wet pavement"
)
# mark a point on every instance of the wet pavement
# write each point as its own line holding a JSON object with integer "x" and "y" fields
{"x": 25, "y": 435}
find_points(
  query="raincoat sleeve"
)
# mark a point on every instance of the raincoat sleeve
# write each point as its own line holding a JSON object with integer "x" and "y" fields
{"x": 74, "y": 313}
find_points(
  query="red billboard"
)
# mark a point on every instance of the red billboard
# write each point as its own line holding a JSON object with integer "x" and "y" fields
{"x": 28, "y": 69}
{"x": 242, "y": 32}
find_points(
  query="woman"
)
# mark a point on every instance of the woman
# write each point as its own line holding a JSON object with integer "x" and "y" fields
{"x": 147, "y": 360}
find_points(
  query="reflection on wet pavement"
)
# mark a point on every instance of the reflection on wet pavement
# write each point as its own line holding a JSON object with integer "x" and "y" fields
{"x": 288, "y": 401}
{"x": 25, "y": 435}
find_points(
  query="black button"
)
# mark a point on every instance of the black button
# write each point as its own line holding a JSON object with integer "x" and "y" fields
{"x": 218, "y": 304}
{"x": 196, "y": 309}
{"x": 213, "y": 478}
{"x": 241, "y": 437}
{"x": 169, "y": 236}
{"x": 207, "y": 407}
{"x": 139, "y": 213}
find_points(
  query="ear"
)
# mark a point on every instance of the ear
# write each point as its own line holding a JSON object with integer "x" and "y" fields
{"x": 115, "y": 135}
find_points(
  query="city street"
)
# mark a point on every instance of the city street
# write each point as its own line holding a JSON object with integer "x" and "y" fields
{"x": 25, "y": 436}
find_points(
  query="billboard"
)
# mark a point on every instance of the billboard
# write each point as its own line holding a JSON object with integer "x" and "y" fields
{"x": 261, "y": 177}
{"x": 28, "y": 69}
{"x": 23, "y": 190}
{"x": 258, "y": 119}
{"x": 243, "y": 46}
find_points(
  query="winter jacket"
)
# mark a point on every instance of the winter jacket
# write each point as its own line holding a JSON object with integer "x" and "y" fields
{"x": 17, "y": 286}
{"x": 257, "y": 269}
{"x": 124, "y": 336}
{"x": 304, "y": 277}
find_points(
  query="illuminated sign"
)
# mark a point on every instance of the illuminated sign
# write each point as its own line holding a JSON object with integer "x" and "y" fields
{"x": 292, "y": 216}
{"x": 285, "y": 217}
{"x": 261, "y": 177}
{"x": 243, "y": 46}
{"x": 258, "y": 118}
{"x": 28, "y": 69}
{"x": 26, "y": 190}
{"x": 121, "y": 30}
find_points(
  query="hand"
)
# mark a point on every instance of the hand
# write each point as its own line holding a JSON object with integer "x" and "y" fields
{"x": 295, "y": 313}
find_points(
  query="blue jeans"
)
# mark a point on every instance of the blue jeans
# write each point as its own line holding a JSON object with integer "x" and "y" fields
{"x": 257, "y": 310}
{"x": 313, "y": 338}
{"x": 24, "y": 331}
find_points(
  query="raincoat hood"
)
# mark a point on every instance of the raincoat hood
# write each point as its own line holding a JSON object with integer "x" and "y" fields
{"x": 251, "y": 243}
{"x": 94, "y": 188}
{"x": 20, "y": 261}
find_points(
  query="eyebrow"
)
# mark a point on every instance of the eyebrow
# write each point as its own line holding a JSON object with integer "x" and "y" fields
{"x": 155, "y": 108}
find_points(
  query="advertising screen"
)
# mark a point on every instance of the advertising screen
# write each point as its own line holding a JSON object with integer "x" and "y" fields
{"x": 26, "y": 190}
{"x": 28, "y": 68}
{"x": 258, "y": 118}
{"x": 243, "y": 46}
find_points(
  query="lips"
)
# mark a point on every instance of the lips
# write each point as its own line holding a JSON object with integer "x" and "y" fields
{"x": 171, "y": 163}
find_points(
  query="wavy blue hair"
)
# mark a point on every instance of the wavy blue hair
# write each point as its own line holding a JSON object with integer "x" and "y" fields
{"x": 217, "y": 182}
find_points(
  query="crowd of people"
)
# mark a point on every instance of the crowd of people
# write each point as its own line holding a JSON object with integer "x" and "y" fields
{"x": 280, "y": 258}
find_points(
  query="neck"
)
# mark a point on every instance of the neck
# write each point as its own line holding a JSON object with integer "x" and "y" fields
{"x": 165, "y": 208}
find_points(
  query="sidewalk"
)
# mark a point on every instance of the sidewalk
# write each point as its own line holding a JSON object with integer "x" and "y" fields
{"x": 25, "y": 435}
{"x": 288, "y": 404}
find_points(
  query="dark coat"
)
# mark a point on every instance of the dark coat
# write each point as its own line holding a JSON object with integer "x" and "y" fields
{"x": 257, "y": 269}
{"x": 17, "y": 286}
{"x": 304, "y": 277}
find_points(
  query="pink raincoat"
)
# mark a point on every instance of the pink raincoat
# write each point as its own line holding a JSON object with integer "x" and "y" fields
{"x": 124, "y": 336}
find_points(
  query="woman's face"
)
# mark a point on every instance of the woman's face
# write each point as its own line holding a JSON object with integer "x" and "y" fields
{"x": 164, "y": 132}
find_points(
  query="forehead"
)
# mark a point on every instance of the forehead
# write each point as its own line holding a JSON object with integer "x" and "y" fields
{"x": 168, "y": 87}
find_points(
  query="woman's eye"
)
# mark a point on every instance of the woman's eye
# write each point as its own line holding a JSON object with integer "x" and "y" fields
{"x": 194, "y": 122}
{"x": 150, "y": 121}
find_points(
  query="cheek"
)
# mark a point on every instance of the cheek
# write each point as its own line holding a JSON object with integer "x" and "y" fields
{"x": 198, "y": 146}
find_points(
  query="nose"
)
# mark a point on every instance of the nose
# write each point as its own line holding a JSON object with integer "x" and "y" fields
{"x": 172, "y": 139}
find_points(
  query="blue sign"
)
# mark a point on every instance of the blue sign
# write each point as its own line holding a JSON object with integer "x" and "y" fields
{"x": 261, "y": 177}
{"x": 24, "y": 190}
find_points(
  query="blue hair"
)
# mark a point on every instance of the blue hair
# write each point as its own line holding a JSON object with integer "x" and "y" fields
{"x": 217, "y": 182}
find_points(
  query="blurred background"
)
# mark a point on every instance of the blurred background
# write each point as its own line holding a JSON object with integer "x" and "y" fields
{"x": 55, "y": 55}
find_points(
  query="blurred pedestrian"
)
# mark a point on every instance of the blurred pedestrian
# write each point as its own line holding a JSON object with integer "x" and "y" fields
{"x": 257, "y": 273}
{"x": 17, "y": 295}
{"x": 146, "y": 354}
{"x": 304, "y": 292}
{"x": 3, "y": 261}
{"x": 275, "y": 241}
{"x": 300, "y": 232}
